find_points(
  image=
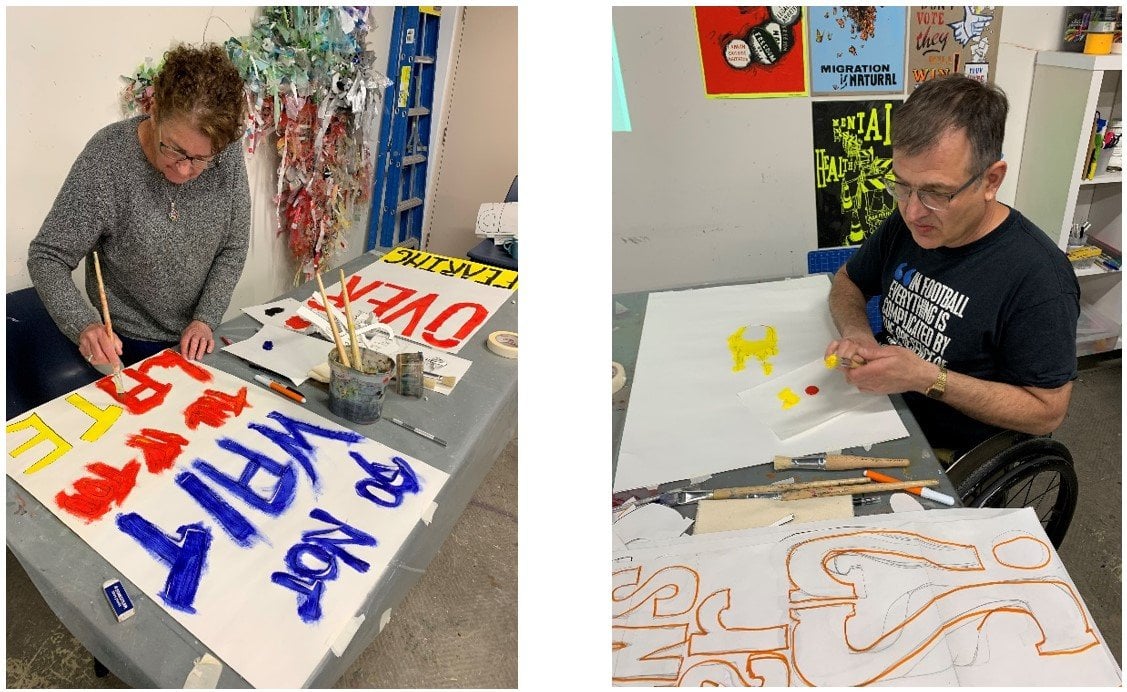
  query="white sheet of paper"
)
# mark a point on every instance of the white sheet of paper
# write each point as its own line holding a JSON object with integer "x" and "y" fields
{"x": 651, "y": 522}
{"x": 290, "y": 354}
{"x": 308, "y": 482}
{"x": 799, "y": 400}
{"x": 960, "y": 597}
{"x": 275, "y": 313}
{"x": 685, "y": 418}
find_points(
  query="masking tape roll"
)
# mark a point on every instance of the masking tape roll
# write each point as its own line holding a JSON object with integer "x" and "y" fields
{"x": 503, "y": 344}
{"x": 617, "y": 377}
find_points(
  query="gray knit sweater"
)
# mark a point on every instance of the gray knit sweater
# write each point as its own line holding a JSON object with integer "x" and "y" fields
{"x": 159, "y": 274}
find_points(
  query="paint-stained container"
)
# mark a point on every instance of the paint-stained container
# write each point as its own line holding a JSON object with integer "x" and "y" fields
{"x": 359, "y": 396}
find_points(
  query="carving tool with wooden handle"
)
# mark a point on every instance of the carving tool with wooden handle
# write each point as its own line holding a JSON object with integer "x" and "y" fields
{"x": 837, "y": 462}
{"x": 806, "y": 493}
{"x": 684, "y": 497}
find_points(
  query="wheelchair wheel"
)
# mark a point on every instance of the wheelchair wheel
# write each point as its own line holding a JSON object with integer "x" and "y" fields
{"x": 1047, "y": 483}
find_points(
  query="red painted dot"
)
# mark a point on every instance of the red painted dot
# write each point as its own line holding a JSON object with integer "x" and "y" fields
{"x": 811, "y": 390}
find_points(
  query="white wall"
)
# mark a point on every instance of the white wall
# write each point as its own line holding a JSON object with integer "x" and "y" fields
{"x": 1025, "y": 30}
{"x": 63, "y": 84}
{"x": 474, "y": 149}
{"x": 718, "y": 190}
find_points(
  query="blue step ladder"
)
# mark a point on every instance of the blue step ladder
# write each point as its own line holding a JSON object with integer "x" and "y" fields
{"x": 400, "y": 177}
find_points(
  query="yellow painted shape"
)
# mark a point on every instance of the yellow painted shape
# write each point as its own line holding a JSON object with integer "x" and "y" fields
{"x": 788, "y": 398}
{"x": 762, "y": 349}
{"x": 104, "y": 418}
{"x": 44, "y": 434}
{"x": 831, "y": 361}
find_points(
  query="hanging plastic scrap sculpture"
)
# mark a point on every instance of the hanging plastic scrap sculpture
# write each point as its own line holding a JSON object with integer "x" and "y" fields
{"x": 309, "y": 82}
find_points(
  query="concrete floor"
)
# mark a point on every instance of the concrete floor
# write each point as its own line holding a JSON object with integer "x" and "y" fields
{"x": 1092, "y": 549}
{"x": 456, "y": 628}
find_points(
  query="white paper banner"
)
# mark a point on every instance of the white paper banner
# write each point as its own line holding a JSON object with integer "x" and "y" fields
{"x": 256, "y": 524}
{"x": 699, "y": 349}
{"x": 442, "y": 312}
{"x": 968, "y": 597}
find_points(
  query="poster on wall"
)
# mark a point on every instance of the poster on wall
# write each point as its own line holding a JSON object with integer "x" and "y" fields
{"x": 852, "y": 155}
{"x": 952, "y": 40}
{"x": 752, "y": 52}
{"x": 857, "y": 50}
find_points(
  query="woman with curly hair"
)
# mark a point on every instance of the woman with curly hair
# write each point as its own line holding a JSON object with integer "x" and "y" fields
{"x": 163, "y": 198}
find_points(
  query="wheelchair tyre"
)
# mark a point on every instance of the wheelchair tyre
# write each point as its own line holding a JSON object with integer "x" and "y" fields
{"x": 1047, "y": 483}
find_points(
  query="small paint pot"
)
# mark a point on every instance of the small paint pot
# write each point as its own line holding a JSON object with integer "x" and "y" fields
{"x": 355, "y": 395}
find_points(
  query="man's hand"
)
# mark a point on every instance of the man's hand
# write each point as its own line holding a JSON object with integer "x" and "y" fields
{"x": 196, "y": 340}
{"x": 848, "y": 350}
{"x": 891, "y": 370}
{"x": 98, "y": 346}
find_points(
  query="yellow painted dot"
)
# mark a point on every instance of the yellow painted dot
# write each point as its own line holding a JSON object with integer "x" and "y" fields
{"x": 762, "y": 349}
{"x": 788, "y": 398}
{"x": 831, "y": 361}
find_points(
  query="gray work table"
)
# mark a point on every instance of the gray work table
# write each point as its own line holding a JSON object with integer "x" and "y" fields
{"x": 151, "y": 649}
{"x": 629, "y": 314}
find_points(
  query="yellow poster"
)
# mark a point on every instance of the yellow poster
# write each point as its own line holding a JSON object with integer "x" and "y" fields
{"x": 451, "y": 266}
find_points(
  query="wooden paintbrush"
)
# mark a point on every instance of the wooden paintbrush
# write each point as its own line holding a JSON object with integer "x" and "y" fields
{"x": 351, "y": 324}
{"x": 109, "y": 325}
{"x": 341, "y": 353}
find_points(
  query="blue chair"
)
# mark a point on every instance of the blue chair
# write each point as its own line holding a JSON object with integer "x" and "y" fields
{"x": 487, "y": 252}
{"x": 43, "y": 364}
{"x": 829, "y": 260}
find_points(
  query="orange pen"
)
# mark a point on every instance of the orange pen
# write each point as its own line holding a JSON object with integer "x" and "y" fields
{"x": 281, "y": 389}
{"x": 922, "y": 492}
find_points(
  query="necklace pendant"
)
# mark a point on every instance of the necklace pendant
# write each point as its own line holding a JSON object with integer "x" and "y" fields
{"x": 173, "y": 215}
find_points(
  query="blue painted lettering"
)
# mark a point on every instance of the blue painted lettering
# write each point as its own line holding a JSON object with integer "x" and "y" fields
{"x": 185, "y": 555}
{"x": 388, "y": 484}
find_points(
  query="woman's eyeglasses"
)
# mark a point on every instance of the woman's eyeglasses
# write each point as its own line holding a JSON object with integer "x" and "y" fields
{"x": 177, "y": 156}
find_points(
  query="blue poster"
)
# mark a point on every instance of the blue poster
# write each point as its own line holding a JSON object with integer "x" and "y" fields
{"x": 857, "y": 50}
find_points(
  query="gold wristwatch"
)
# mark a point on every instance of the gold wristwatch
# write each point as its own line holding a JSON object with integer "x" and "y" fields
{"x": 937, "y": 389}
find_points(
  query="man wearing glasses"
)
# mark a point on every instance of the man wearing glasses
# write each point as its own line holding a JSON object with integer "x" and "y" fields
{"x": 979, "y": 306}
{"x": 164, "y": 200}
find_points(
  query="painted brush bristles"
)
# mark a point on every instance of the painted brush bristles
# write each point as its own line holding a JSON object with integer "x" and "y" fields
{"x": 109, "y": 325}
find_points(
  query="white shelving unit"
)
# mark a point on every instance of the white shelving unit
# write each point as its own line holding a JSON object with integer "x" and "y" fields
{"x": 1068, "y": 89}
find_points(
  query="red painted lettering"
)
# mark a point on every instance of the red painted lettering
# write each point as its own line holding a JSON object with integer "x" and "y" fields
{"x": 96, "y": 494}
{"x": 417, "y": 307}
{"x": 132, "y": 399}
{"x": 214, "y": 408}
{"x": 473, "y": 321}
{"x": 382, "y": 306}
{"x": 160, "y": 448}
{"x": 169, "y": 359}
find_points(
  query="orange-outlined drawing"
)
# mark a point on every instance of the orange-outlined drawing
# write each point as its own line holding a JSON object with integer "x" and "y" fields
{"x": 810, "y": 559}
{"x": 673, "y": 590}
{"x": 1022, "y": 552}
{"x": 713, "y": 637}
{"x": 657, "y": 650}
{"x": 883, "y": 637}
{"x": 849, "y": 606}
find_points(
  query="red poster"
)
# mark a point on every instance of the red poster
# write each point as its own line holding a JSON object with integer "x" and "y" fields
{"x": 752, "y": 52}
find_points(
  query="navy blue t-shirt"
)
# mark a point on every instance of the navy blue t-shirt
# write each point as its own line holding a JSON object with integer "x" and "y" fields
{"x": 1003, "y": 308}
